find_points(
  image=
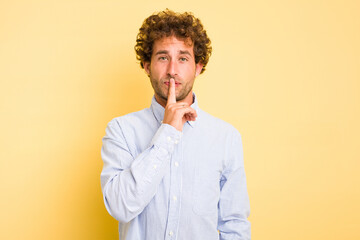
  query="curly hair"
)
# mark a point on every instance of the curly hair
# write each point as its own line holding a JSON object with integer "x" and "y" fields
{"x": 168, "y": 23}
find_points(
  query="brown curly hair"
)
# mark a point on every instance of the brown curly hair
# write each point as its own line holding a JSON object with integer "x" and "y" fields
{"x": 168, "y": 23}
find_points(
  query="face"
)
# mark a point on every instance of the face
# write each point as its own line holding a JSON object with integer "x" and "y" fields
{"x": 172, "y": 58}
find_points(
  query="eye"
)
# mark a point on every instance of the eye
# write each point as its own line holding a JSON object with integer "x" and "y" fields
{"x": 183, "y": 59}
{"x": 162, "y": 58}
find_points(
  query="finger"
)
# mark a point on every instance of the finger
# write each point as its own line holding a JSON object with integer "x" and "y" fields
{"x": 193, "y": 115}
{"x": 188, "y": 111}
{"x": 180, "y": 105}
{"x": 189, "y": 117}
{"x": 171, "y": 94}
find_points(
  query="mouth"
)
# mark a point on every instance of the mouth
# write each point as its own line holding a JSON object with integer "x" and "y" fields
{"x": 167, "y": 83}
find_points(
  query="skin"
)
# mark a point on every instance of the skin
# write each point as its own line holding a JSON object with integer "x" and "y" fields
{"x": 172, "y": 71}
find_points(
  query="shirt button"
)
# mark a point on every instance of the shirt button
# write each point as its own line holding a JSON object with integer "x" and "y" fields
{"x": 155, "y": 166}
{"x": 176, "y": 141}
{"x": 176, "y": 164}
{"x": 171, "y": 233}
{"x": 174, "y": 198}
{"x": 169, "y": 139}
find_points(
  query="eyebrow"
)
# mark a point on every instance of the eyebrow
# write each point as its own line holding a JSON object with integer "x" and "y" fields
{"x": 161, "y": 52}
{"x": 166, "y": 52}
{"x": 185, "y": 52}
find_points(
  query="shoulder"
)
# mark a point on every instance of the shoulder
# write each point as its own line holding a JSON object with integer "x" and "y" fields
{"x": 131, "y": 120}
{"x": 217, "y": 124}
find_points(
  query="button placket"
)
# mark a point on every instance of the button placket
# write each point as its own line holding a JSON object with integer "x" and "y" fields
{"x": 175, "y": 191}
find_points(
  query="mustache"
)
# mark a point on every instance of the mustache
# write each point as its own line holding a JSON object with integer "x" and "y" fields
{"x": 167, "y": 79}
{"x": 171, "y": 76}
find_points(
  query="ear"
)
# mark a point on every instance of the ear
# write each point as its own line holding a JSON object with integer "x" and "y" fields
{"x": 198, "y": 67}
{"x": 147, "y": 67}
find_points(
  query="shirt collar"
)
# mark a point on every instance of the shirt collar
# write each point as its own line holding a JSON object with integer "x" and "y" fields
{"x": 159, "y": 110}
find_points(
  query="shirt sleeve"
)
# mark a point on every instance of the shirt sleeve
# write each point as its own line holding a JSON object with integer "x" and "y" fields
{"x": 234, "y": 206}
{"x": 129, "y": 183}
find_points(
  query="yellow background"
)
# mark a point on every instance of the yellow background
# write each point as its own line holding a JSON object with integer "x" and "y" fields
{"x": 286, "y": 74}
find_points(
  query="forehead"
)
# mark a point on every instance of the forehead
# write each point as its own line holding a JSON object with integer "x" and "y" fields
{"x": 173, "y": 43}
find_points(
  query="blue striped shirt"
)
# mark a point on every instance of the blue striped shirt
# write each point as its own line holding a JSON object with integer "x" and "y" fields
{"x": 160, "y": 183}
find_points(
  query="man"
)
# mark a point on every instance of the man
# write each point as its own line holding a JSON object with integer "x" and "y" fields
{"x": 172, "y": 171}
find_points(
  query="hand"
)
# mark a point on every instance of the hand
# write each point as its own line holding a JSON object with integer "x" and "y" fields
{"x": 177, "y": 113}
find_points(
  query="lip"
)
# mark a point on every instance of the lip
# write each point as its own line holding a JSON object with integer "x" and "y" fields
{"x": 167, "y": 83}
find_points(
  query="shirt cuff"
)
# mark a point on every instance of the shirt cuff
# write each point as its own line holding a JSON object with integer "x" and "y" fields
{"x": 166, "y": 137}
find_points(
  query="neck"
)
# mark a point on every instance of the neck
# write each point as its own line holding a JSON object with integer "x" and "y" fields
{"x": 189, "y": 99}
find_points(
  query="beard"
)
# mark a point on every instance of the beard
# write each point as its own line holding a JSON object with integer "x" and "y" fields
{"x": 162, "y": 90}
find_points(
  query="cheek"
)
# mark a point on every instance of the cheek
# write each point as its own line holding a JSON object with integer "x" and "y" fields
{"x": 189, "y": 70}
{"x": 157, "y": 70}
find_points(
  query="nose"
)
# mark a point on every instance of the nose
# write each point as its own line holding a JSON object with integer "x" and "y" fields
{"x": 172, "y": 68}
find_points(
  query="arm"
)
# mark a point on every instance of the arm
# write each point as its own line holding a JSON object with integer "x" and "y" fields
{"x": 234, "y": 206}
{"x": 129, "y": 183}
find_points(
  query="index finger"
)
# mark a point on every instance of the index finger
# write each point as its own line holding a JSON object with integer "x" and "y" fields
{"x": 171, "y": 93}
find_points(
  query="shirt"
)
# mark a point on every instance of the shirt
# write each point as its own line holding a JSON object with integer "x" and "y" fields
{"x": 160, "y": 183}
